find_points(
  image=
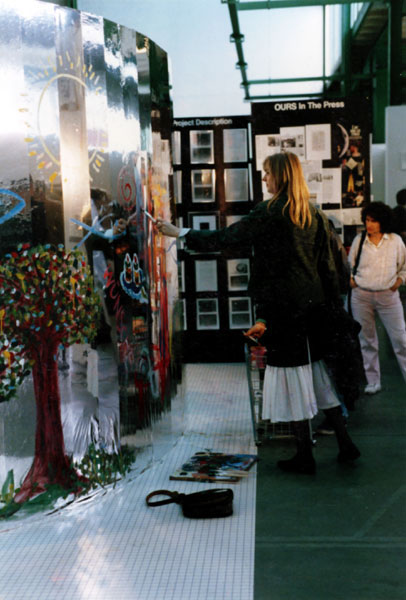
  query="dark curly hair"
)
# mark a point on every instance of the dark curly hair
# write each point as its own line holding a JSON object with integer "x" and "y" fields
{"x": 401, "y": 197}
{"x": 379, "y": 212}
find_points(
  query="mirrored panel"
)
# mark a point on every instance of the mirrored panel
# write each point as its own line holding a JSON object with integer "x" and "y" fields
{"x": 86, "y": 146}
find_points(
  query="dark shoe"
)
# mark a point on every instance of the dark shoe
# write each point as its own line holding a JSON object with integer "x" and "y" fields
{"x": 348, "y": 454}
{"x": 298, "y": 464}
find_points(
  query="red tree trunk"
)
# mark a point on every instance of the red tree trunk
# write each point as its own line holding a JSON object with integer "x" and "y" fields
{"x": 50, "y": 465}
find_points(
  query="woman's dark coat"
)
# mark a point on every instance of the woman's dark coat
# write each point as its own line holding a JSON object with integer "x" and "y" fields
{"x": 293, "y": 273}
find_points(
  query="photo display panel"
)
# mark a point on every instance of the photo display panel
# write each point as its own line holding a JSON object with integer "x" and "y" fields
{"x": 331, "y": 138}
{"x": 213, "y": 188}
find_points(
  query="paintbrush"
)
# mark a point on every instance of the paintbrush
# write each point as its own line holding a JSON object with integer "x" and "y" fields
{"x": 148, "y": 215}
{"x": 145, "y": 212}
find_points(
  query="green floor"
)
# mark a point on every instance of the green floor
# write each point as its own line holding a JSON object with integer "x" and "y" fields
{"x": 339, "y": 534}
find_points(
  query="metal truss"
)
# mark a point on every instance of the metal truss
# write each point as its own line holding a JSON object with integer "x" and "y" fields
{"x": 348, "y": 80}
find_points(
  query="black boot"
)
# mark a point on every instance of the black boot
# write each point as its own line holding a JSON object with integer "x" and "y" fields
{"x": 303, "y": 461}
{"x": 348, "y": 451}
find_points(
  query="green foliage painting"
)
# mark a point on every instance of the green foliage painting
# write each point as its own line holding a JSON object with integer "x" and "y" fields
{"x": 47, "y": 300}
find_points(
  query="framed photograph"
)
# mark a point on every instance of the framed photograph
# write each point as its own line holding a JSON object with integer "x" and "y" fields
{"x": 204, "y": 221}
{"x": 181, "y": 276}
{"x": 176, "y": 148}
{"x": 182, "y": 307}
{"x": 238, "y": 270}
{"x": 206, "y": 275}
{"x": 203, "y": 182}
{"x": 236, "y": 185}
{"x": 235, "y": 145}
{"x": 240, "y": 314}
{"x": 177, "y": 187}
{"x": 207, "y": 313}
{"x": 201, "y": 147}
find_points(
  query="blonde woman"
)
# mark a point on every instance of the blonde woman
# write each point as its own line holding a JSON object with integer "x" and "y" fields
{"x": 293, "y": 273}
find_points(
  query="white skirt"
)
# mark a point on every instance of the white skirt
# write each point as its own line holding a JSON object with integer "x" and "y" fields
{"x": 297, "y": 393}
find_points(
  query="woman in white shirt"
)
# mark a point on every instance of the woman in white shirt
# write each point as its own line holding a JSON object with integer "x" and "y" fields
{"x": 381, "y": 270}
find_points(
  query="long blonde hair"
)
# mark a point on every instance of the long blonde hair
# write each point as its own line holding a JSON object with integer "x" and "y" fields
{"x": 287, "y": 173}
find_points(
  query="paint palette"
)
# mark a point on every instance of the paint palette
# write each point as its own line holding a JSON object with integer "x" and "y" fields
{"x": 215, "y": 466}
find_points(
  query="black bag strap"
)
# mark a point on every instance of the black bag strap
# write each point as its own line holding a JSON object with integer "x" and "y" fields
{"x": 173, "y": 497}
{"x": 354, "y": 270}
{"x": 205, "y": 495}
{"x": 357, "y": 259}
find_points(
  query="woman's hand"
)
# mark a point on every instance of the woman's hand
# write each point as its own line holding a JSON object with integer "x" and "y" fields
{"x": 352, "y": 283}
{"x": 397, "y": 284}
{"x": 256, "y": 331}
{"x": 167, "y": 228}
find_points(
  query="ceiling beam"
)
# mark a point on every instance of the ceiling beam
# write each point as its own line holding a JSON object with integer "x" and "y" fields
{"x": 318, "y": 95}
{"x": 395, "y": 82}
{"x": 238, "y": 39}
{"x": 336, "y": 76}
{"x": 269, "y": 4}
{"x": 345, "y": 75}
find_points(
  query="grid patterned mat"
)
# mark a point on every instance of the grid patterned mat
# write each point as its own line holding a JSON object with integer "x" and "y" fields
{"x": 113, "y": 547}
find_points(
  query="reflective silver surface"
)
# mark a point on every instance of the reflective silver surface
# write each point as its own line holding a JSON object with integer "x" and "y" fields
{"x": 86, "y": 114}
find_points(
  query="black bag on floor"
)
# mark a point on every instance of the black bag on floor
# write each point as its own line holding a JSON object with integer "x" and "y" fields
{"x": 208, "y": 504}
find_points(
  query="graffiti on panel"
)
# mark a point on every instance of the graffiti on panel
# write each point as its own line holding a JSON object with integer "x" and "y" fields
{"x": 46, "y": 300}
{"x": 132, "y": 279}
{"x": 7, "y": 209}
{"x": 40, "y": 145}
{"x": 83, "y": 307}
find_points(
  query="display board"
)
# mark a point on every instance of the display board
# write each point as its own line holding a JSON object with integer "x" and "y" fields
{"x": 213, "y": 173}
{"x": 332, "y": 140}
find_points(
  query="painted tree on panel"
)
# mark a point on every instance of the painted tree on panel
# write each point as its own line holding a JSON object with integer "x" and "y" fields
{"x": 47, "y": 300}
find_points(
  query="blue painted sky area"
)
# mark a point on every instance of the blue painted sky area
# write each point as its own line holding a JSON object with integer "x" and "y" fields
{"x": 196, "y": 35}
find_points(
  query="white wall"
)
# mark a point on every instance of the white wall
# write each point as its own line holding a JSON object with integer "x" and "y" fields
{"x": 378, "y": 155}
{"x": 395, "y": 169}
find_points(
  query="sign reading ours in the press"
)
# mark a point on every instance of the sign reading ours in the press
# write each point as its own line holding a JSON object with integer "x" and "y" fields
{"x": 331, "y": 139}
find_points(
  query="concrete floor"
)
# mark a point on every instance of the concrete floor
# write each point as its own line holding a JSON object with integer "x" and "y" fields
{"x": 339, "y": 534}
{"x": 109, "y": 545}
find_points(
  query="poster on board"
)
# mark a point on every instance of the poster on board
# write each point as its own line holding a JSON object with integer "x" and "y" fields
{"x": 332, "y": 140}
